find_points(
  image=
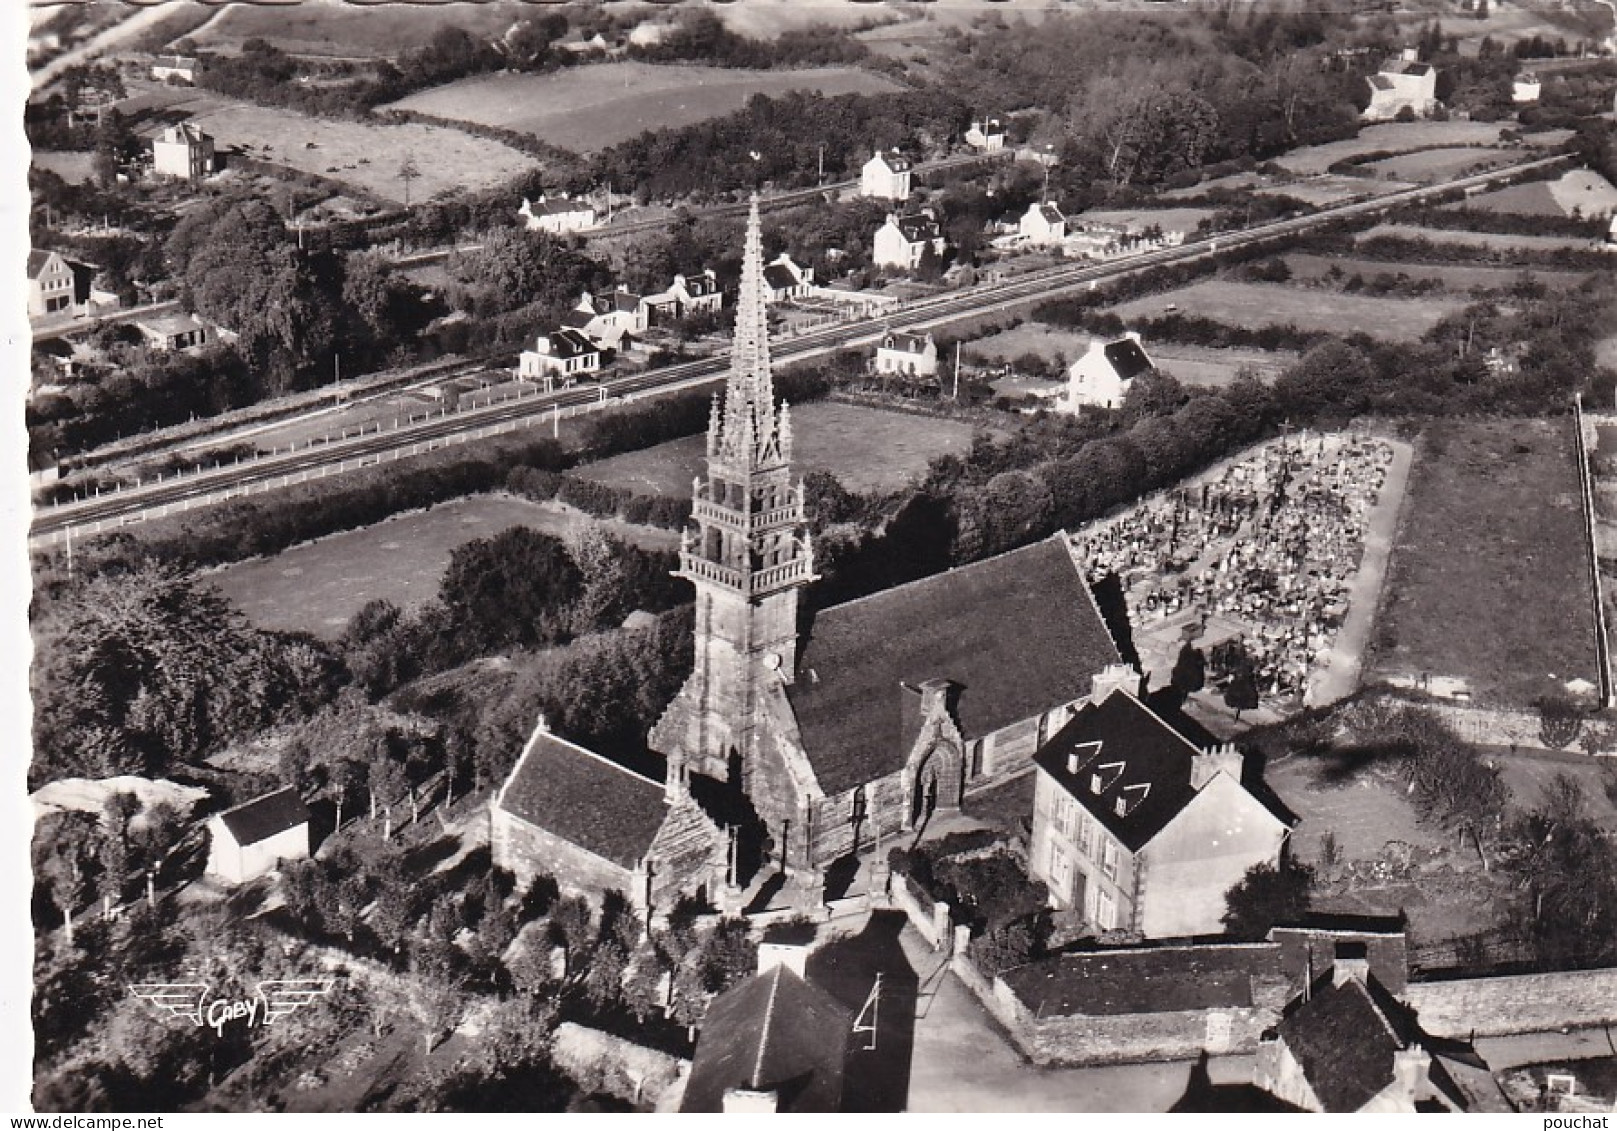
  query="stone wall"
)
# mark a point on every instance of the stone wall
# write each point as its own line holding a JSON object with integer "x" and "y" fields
{"x": 1522, "y": 1003}
{"x": 601, "y": 1062}
{"x": 1133, "y": 1037}
{"x": 526, "y": 851}
{"x": 929, "y": 918}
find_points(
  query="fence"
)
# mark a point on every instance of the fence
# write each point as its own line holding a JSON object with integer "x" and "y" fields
{"x": 1591, "y": 548}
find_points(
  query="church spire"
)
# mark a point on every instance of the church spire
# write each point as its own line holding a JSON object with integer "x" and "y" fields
{"x": 749, "y": 432}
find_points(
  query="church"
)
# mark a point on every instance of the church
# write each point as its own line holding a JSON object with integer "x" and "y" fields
{"x": 826, "y": 730}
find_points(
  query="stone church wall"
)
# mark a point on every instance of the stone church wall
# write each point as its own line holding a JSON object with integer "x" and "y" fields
{"x": 1520, "y": 1003}
{"x": 687, "y": 854}
{"x": 1133, "y": 1037}
{"x": 833, "y": 819}
{"x": 527, "y": 851}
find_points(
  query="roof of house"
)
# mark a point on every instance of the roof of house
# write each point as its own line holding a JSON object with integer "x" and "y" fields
{"x": 559, "y": 207}
{"x": 1050, "y": 213}
{"x": 37, "y": 258}
{"x": 165, "y": 325}
{"x": 1380, "y": 82}
{"x": 897, "y": 162}
{"x": 780, "y": 276}
{"x": 1127, "y": 358}
{"x": 704, "y": 283}
{"x": 1310, "y": 947}
{"x": 176, "y": 61}
{"x": 186, "y": 133}
{"x": 1140, "y": 764}
{"x": 1142, "y": 980}
{"x": 1407, "y": 67}
{"x": 846, "y": 696}
{"x": 568, "y": 342}
{"x": 917, "y": 226}
{"x": 1344, "y": 1043}
{"x": 773, "y": 1032}
{"x": 905, "y": 343}
{"x": 263, "y": 817}
{"x": 585, "y": 799}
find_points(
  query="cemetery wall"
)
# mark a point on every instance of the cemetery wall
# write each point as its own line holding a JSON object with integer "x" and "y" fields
{"x": 1519, "y": 1003}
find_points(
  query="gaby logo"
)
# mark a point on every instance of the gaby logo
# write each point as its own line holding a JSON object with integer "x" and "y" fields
{"x": 275, "y": 999}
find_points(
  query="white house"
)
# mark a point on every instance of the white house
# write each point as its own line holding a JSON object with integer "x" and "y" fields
{"x": 1525, "y": 87}
{"x": 1403, "y": 82}
{"x": 182, "y": 151}
{"x": 886, "y": 176}
{"x": 987, "y": 136}
{"x": 56, "y": 284}
{"x": 609, "y": 318}
{"x": 1611, "y": 233}
{"x": 688, "y": 294}
{"x": 252, "y": 839}
{"x": 908, "y": 355}
{"x": 557, "y": 217}
{"x": 1102, "y": 376}
{"x": 903, "y": 240}
{"x": 171, "y": 333}
{"x": 1042, "y": 225}
{"x": 784, "y": 279}
{"x": 565, "y": 354}
{"x": 177, "y": 67}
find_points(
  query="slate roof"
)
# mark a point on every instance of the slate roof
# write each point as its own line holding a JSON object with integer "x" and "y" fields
{"x": 1146, "y": 980}
{"x": 953, "y": 626}
{"x": 37, "y": 260}
{"x": 780, "y": 277}
{"x": 1406, "y": 67}
{"x": 167, "y": 325}
{"x": 1311, "y": 947}
{"x": 1051, "y": 214}
{"x": 904, "y": 343}
{"x": 558, "y": 207}
{"x": 577, "y": 318}
{"x": 585, "y": 799}
{"x": 773, "y": 1032}
{"x": 1139, "y": 759}
{"x": 568, "y": 342}
{"x": 698, "y": 285}
{"x": 1126, "y": 358}
{"x": 897, "y": 162}
{"x": 917, "y": 227}
{"x": 1381, "y": 82}
{"x": 263, "y": 817}
{"x": 1344, "y": 1043}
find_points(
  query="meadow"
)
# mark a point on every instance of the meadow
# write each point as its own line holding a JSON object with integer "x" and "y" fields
{"x": 1263, "y": 304}
{"x": 586, "y": 109}
{"x": 1458, "y": 278}
{"x": 1191, "y": 365}
{"x": 352, "y": 31}
{"x": 1495, "y": 240}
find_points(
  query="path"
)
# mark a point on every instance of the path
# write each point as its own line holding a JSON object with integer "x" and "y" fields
{"x": 1341, "y": 675}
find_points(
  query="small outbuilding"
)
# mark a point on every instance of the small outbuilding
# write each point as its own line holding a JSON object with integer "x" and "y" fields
{"x": 252, "y": 839}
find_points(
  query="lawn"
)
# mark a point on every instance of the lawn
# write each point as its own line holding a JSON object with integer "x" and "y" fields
{"x": 1192, "y": 365}
{"x": 585, "y": 109}
{"x": 867, "y": 449}
{"x": 317, "y": 586}
{"x": 1488, "y": 581}
{"x": 1493, "y": 240}
{"x": 363, "y": 154}
{"x": 1455, "y": 278}
{"x": 1391, "y": 137}
{"x": 1262, "y": 304}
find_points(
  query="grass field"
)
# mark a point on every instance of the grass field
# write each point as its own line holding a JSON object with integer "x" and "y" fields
{"x": 74, "y": 168}
{"x": 1168, "y": 219}
{"x": 353, "y": 31}
{"x": 1432, "y": 165}
{"x": 1582, "y": 190}
{"x": 1455, "y": 278}
{"x": 865, "y": 448}
{"x": 1261, "y": 304}
{"x": 1192, "y": 365}
{"x": 363, "y": 154}
{"x": 317, "y": 586}
{"x": 1391, "y": 137}
{"x": 590, "y": 108}
{"x": 1488, "y": 581}
{"x": 1493, "y": 240}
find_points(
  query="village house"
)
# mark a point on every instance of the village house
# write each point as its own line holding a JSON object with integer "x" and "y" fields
{"x": 179, "y": 68}
{"x": 607, "y": 319}
{"x": 875, "y": 714}
{"x": 773, "y": 1043}
{"x": 1137, "y": 829}
{"x": 1042, "y": 225}
{"x": 1346, "y": 1044}
{"x": 886, "y": 176}
{"x": 1101, "y": 378}
{"x": 783, "y": 279}
{"x": 558, "y": 217}
{"x": 693, "y": 294}
{"x": 1525, "y": 87}
{"x": 58, "y": 285}
{"x": 171, "y": 333}
{"x": 903, "y": 240}
{"x": 1404, "y": 82}
{"x": 597, "y": 826}
{"x": 986, "y": 136}
{"x": 559, "y": 357}
{"x": 182, "y": 151}
{"x": 252, "y": 839}
{"x": 908, "y": 355}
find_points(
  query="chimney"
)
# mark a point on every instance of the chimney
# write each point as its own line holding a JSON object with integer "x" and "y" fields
{"x": 1352, "y": 962}
{"x": 1206, "y": 764}
{"x": 1411, "y": 1067}
{"x": 1111, "y": 678}
{"x": 792, "y": 955}
{"x": 749, "y": 1102}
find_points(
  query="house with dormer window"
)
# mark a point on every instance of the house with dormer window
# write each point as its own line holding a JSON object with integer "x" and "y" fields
{"x": 1137, "y": 828}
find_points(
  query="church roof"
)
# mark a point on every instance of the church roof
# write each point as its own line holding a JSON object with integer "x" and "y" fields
{"x": 263, "y": 817}
{"x": 1019, "y": 634}
{"x": 1344, "y": 1043}
{"x": 773, "y": 1032}
{"x": 585, "y": 799}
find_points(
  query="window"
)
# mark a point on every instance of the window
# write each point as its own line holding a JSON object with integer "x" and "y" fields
{"x": 1108, "y": 857}
{"x": 1085, "y": 834}
{"x": 1105, "y": 910}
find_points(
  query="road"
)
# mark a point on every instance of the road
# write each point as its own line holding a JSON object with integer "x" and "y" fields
{"x": 924, "y": 314}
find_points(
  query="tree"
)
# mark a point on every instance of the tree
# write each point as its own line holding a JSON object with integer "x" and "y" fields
{"x": 1567, "y": 871}
{"x": 514, "y": 588}
{"x": 1241, "y": 693}
{"x": 408, "y": 173}
{"x": 1189, "y": 670}
{"x": 1267, "y": 896}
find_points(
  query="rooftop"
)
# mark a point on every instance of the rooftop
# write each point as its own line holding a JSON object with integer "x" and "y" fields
{"x": 263, "y": 817}
{"x": 1143, "y": 980}
{"x": 1344, "y": 1043}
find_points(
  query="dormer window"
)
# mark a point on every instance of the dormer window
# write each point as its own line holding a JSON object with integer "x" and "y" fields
{"x": 1129, "y": 798}
{"x": 1105, "y": 776}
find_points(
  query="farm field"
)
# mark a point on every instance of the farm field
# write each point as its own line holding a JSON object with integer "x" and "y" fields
{"x": 1488, "y": 582}
{"x": 317, "y": 586}
{"x": 74, "y": 168}
{"x": 1168, "y": 219}
{"x": 365, "y": 155}
{"x": 344, "y": 31}
{"x": 1432, "y": 165}
{"x": 1454, "y": 277}
{"x": 1192, "y": 365}
{"x": 1325, "y": 189}
{"x": 1261, "y": 304}
{"x": 1493, "y": 240}
{"x": 865, "y": 448}
{"x": 590, "y": 108}
{"x": 1582, "y": 190}
{"x": 1391, "y": 137}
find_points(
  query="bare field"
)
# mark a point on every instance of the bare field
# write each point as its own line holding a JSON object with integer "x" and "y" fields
{"x": 590, "y": 108}
{"x": 1475, "y": 239}
{"x": 1488, "y": 582}
{"x": 317, "y": 586}
{"x": 1457, "y": 278}
{"x": 865, "y": 448}
{"x": 1263, "y": 304}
